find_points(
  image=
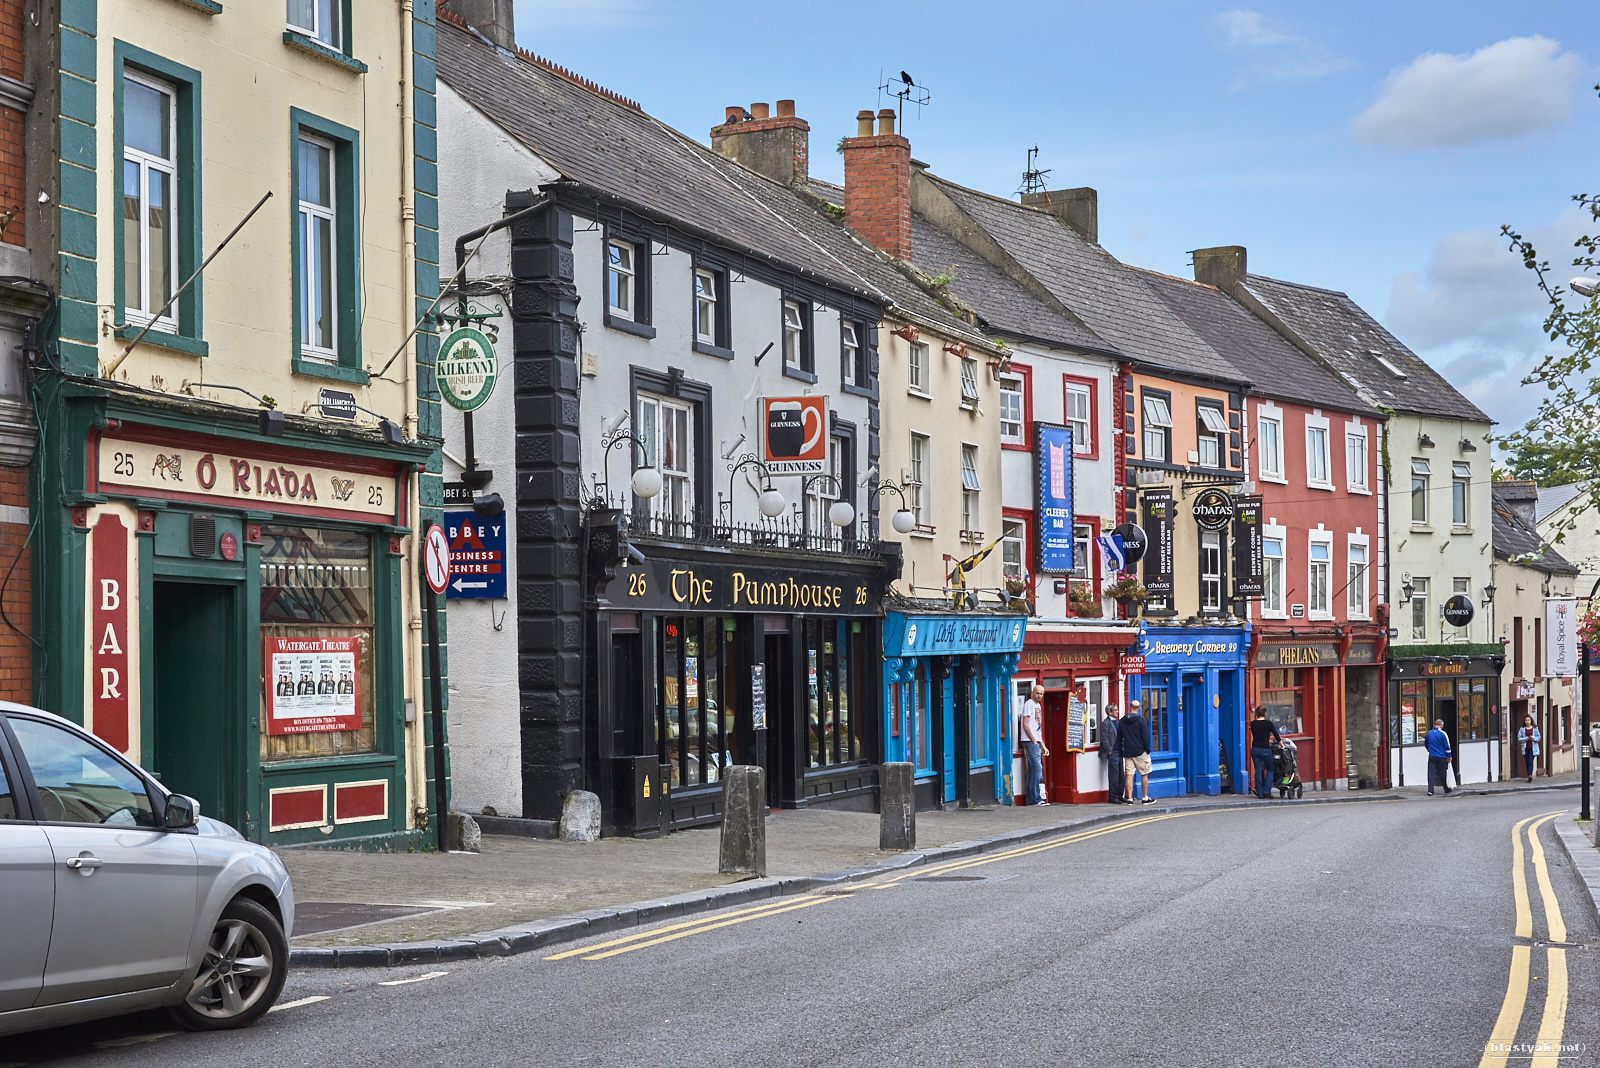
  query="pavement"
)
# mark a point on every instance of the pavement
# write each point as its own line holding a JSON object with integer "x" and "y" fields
{"x": 521, "y": 894}
{"x": 1349, "y": 934}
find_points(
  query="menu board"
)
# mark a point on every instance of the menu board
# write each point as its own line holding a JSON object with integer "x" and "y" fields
{"x": 1077, "y": 723}
{"x": 758, "y": 697}
{"x": 314, "y": 685}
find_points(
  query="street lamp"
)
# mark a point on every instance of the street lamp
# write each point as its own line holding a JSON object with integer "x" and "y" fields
{"x": 770, "y": 502}
{"x": 1584, "y": 287}
{"x": 646, "y": 481}
{"x": 841, "y": 513}
{"x": 905, "y": 520}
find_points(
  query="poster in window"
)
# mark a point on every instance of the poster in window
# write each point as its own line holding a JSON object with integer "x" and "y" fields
{"x": 1052, "y": 461}
{"x": 1077, "y": 723}
{"x": 313, "y": 685}
{"x": 1408, "y": 725}
{"x": 1158, "y": 554}
{"x": 1249, "y": 556}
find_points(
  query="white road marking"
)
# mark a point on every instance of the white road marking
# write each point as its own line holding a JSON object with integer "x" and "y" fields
{"x": 113, "y": 1043}
{"x": 312, "y": 1000}
{"x": 416, "y": 979}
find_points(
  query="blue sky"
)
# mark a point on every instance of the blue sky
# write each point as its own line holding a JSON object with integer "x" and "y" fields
{"x": 1373, "y": 148}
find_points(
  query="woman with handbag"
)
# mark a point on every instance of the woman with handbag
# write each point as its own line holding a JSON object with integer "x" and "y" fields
{"x": 1528, "y": 743}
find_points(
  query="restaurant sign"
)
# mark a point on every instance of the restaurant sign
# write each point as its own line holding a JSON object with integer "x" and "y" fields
{"x": 709, "y": 586}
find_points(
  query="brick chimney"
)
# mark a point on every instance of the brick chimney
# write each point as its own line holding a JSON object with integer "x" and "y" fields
{"x": 1223, "y": 267}
{"x": 877, "y": 184}
{"x": 1078, "y": 208}
{"x": 492, "y": 18}
{"x": 776, "y": 146}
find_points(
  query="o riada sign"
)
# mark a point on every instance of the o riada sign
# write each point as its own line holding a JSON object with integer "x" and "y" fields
{"x": 467, "y": 369}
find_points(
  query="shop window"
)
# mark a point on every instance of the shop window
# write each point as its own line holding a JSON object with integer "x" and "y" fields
{"x": 1318, "y": 602}
{"x": 980, "y": 718}
{"x": 1284, "y": 699}
{"x": 1157, "y": 427}
{"x": 1211, "y": 571}
{"x": 317, "y": 623}
{"x": 918, "y": 715}
{"x": 1409, "y": 723}
{"x": 696, "y": 697}
{"x": 1211, "y": 434}
{"x": 1472, "y": 710}
{"x": 1419, "y": 609}
{"x": 1154, "y": 701}
{"x": 1272, "y": 559}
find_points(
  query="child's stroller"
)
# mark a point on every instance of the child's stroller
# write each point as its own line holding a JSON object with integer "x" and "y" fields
{"x": 1286, "y": 770}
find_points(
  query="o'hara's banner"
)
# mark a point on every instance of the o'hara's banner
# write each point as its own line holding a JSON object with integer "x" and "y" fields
{"x": 204, "y": 472}
{"x": 703, "y": 586}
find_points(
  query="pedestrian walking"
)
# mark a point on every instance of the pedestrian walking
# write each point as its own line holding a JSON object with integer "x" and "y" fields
{"x": 1112, "y": 758}
{"x": 1033, "y": 748}
{"x": 1438, "y": 756}
{"x": 1264, "y": 737}
{"x": 1133, "y": 742}
{"x": 1528, "y": 740}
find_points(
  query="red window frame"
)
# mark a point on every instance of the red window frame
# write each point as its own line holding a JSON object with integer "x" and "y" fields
{"x": 1025, "y": 372}
{"x": 1094, "y": 412}
{"x": 1096, "y": 577}
{"x": 1029, "y": 543}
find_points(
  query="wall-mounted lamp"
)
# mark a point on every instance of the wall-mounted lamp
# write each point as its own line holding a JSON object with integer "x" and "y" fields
{"x": 1468, "y": 446}
{"x": 905, "y": 520}
{"x": 1424, "y": 442}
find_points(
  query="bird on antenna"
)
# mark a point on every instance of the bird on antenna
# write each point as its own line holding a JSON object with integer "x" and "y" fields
{"x": 906, "y": 78}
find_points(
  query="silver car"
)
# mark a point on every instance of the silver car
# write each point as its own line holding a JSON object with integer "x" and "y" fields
{"x": 117, "y": 895}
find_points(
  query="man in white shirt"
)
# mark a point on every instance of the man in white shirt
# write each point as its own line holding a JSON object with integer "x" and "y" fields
{"x": 1033, "y": 747}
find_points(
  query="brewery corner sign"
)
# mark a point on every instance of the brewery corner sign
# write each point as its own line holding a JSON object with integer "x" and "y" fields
{"x": 467, "y": 369}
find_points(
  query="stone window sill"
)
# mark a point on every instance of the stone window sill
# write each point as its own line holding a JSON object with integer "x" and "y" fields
{"x": 313, "y": 47}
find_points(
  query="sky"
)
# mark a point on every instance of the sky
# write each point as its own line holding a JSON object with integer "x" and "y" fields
{"x": 1370, "y": 147}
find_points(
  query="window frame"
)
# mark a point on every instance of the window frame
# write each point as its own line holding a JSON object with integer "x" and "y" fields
{"x": 1319, "y": 425}
{"x": 971, "y": 490}
{"x": 969, "y": 377}
{"x": 341, "y": 33}
{"x": 1015, "y": 383}
{"x": 917, "y": 462}
{"x": 1023, "y": 520}
{"x": 653, "y": 384}
{"x": 1218, "y": 578}
{"x": 806, "y": 369}
{"x": 347, "y": 366}
{"x": 1353, "y": 609}
{"x": 1089, "y": 449}
{"x": 1203, "y": 432}
{"x": 186, "y": 317}
{"x": 1425, "y": 477}
{"x": 1419, "y": 594}
{"x": 1357, "y": 482}
{"x": 1265, "y": 414}
{"x": 1460, "y": 490}
{"x": 1319, "y": 539}
{"x": 1146, "y": 425}
{"x": 720, "y": 343}
{"x": 917, "y": 368}
{"x": 1274, "y": 535}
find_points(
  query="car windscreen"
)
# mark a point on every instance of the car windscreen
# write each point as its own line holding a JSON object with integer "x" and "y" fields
{"x": 77, "y": 781}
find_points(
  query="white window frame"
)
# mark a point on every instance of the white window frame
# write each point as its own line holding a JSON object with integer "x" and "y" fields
{"x": 1319, "y": 575}
{"x": 1082, "y": 427}
{"x": 1082, "y": 546}
{"x": 970, "y": 488}
{"x": 824, "y": 491}
{"x": 1317, "y": 430}
{"x": 309, "y": 210}
{"x": 145, "y": 313}
{"x": 916, "y": 477}
{"x": 1463, "y": 586}
{"x": 705, "y": 304}
{"x": 1419, "y": 595}
{"x": 1013, "y": 411}
{"x": 1157, "y": 425}
{"x": 1355, "y": 468}
{"x": 1211, "y": 431}
{"x": 1423, "y": 471}
{"x": 1271, "y": 449}
{"x": 969, "y": 382}
{"x": 1461, "y": 487}
{"x": 622, "y": 278}
{"x": 1013, "y": 550}
{"x": 917, "y": 369}
{"x": 329, "y": 35}
{"x": 676, "y": 499}
{"x": 794, "y": 336}
{"x": 1274, "y": 571}
{"x": 1211, "y": 600}
{"x": 849, "y": 350}
{"x": 1358, "y": 586}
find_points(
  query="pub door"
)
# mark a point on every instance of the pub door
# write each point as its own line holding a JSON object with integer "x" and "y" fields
{"x": 196, "y": 727}
{"x": 784, "y": 722}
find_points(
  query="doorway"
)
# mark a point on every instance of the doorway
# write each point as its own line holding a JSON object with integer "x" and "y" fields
{"x": 196, "y": 724}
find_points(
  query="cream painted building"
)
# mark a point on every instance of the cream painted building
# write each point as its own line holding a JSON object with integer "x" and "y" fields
{"x": 227, "y": 591}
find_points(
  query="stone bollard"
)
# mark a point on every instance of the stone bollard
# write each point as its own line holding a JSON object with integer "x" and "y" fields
{"x": 465, "y": 835}
{"x": 580, "y": 817}
{"x": 897, "y": 807}
{"x": 744, "y": 820}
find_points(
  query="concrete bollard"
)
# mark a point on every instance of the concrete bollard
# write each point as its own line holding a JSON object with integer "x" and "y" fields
{"x": 744, "y": 820}
{"x": 897, "y": 807}
{"x": 580, "y": 817}
{"x": 465, "y": 834}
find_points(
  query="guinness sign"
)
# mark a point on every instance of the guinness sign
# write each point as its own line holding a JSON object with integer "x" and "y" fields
{"x": 1458, "y": 610}
{"x": 1134, "y": 542}
{"x": 1213, "y": 509}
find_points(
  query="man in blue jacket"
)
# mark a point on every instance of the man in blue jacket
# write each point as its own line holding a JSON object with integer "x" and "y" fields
{"x": 1438, "y": 756}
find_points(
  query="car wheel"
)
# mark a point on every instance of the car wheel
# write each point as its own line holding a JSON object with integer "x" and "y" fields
{"x": 245, "y": 963}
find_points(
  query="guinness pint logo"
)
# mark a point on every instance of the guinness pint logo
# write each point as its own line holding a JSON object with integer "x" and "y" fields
{"x": 1213, "y": 509}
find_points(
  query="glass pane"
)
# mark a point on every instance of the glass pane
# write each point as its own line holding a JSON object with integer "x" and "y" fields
{"x": 316, "y": 174}
{"x": 160, "y": 239}
{"x": 146, "y": 119}
{"x": 78, "y": 781}
{"x": 328, "y": 22}
{"x": 710, "y": 698}
{"x": 8, "y": 803}
{"x": 132, "y": 238}
{"x": 318, "y": 281}
{"x": 920, "y": 698}
{"x": 980, "y": 719}
{"x": 672, "y": 714}
{"x": 693, "y": 758}
{"x": 314, "y": 575}
{"x": 303, "y": 13}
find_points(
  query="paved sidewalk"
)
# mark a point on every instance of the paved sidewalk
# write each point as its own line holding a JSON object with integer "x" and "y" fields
{"x": 522, "y": 885}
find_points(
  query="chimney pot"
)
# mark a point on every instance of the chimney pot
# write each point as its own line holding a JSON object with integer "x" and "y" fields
{"x": 786, "y": 109}
{"x": 886, "y": 122}
{"x": 735, "y": 113}
{"x": 863, "y": 124}
{"x": 759, "y": 111}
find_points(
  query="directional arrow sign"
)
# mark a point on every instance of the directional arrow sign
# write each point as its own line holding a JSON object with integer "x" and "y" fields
{"x": 462, "y": 584}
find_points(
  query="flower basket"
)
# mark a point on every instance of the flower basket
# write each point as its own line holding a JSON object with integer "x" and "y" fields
{"x": 1083, "y": 601}
{"x": 1016, "y": 587}
{"x": 1127, "y": 591}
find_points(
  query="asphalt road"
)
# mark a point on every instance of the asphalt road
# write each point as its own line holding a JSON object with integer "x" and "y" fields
{"x": 1378, "y": 933}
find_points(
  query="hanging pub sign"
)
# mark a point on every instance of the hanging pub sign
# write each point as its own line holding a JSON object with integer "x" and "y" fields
{"x": 1052, "y": 462}
{"x": 1249, "y": 555}
{"x": 1561, "y": 637}
{"x": 1134, "y": 543}
{"x": 1458, "y": 610}
{"x": 796, "y": 430}
{"x": 313, "y": 685}
{"x": 1158, "y": 555}
{"x": 1213, "y": 509}
{"x": 467, "y": 369}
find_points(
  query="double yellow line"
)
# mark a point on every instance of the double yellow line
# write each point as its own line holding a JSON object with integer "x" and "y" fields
{"x": 1552, "y": 1023}
{"x": 672, "y": 932}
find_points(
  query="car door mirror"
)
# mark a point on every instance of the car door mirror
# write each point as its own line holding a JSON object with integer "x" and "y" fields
{"x": 182, "y": 812}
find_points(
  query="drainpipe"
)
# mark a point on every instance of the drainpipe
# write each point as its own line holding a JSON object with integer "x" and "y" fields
{"x": 416, "y": 779}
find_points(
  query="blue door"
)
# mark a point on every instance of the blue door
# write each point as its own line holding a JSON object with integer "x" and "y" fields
{"x": 946, "y": 709}
{"x": 1165, "y": 713}
{"x": 1199, "y": 750}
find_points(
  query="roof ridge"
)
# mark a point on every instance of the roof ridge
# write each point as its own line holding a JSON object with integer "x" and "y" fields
{"x": 1173, "y": 277}
{"x": 544, "y": 64}
{"x": 988, "y": 196}
{"x": 1298, "y": 285}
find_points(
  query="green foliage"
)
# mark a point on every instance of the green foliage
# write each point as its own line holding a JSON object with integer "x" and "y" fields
{"x": 839, "y": 148}
{"x": 1422, "y": 652}
{"x": 833, "y": 209}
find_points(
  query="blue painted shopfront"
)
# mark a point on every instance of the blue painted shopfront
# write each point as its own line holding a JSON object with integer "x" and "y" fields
{"x": 946, "y": 701}
{"x": 1193, "y": 692}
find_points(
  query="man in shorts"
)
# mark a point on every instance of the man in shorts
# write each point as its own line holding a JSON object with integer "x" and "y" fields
{"x": 1133, "y": 740}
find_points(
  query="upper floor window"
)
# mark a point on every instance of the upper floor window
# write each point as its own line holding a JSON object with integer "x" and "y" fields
{"x": 1421, "y": 473}
{"x": 1013, "y": 548}
{"x": 969, "y": 489}
{"x": 854, "y": 354}
{"x": 667, "y": 428}
{"x": 149, "y": 200}
{"x": 621, "y": 278}
{"x": 969, "y": 381}
{"x": 1082, "y": 543}
{"x": 317, "y": 19}
{"x": 1355, "y": 457}
{"x": 1011, "y": 412}
{"x": 1210, "y": 571}
{"x": 1419, "y": 609}
{"x": 1356, "y": 601}
{"x": 1078, "y": 413}
{"x": 1269, "y": 446}
{"x": 319, "y": 252}
{"x": 1157, "y": 428}
{"x": 916, "y": 474}
{"x": 823, "y": 492}
{"x": 1460, "y": 499}
{"x": 1272, "y": 575}
{"x": 1317, "y": 454}
{"x": 917, "y": 367}
{"x": 796, "y": 342}
{"x": 1317, "y": 593}
{"x": 705, "y": 306}
{"x": 1211, "y": 434}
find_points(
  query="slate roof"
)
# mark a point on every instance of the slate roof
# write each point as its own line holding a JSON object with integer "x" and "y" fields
{"x": 1356, "y": 344}
{"x": 1266, "y": 357}
{"x": 597, "y": 139}
{"x": 1111, "y": 298}
{"x": 1514, "y": 537}
{"x": 1552, "y": 499}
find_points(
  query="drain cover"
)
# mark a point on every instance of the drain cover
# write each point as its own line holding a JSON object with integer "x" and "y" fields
{"x": 316, "y": 917}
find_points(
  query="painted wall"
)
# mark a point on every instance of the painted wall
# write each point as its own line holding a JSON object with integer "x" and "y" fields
{"x": 1519, "y": 595}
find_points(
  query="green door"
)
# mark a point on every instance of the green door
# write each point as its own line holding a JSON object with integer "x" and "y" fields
{"x": 194, "y": 725}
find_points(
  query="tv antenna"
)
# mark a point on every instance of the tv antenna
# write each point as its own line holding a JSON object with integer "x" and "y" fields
{"x": 1032, "y": 178}
{"x": 903, "y": 88}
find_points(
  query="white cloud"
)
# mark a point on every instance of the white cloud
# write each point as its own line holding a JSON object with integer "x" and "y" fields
{"x": 1509, "y": 90}
{"x": 1280, "y": 56}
